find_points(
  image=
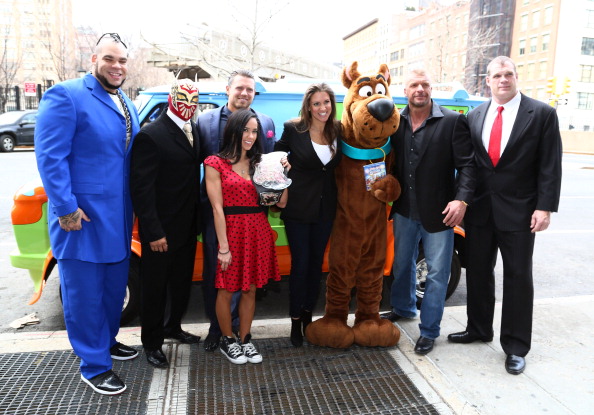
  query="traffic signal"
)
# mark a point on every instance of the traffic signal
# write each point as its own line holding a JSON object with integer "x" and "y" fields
{"x": 566, "y": 86}
{"x": 552, "y": 86}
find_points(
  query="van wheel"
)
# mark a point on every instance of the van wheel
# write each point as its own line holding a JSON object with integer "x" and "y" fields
{"x": 132, "y": 298}
{"x": 455, "y": 272}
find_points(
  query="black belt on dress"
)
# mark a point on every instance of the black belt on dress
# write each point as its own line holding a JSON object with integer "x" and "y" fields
{"x": 242, "y": 210}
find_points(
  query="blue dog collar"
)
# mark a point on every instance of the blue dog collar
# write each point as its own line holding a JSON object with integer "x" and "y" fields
{"x": 366, "y": 153}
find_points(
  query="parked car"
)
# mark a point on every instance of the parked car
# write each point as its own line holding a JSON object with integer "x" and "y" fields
{"x": 17, "y": 128}
{"x": 29, "y": 213}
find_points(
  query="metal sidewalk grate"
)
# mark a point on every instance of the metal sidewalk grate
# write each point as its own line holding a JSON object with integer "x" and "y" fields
{"x": 49, "y": 383}
{"x": 306, "y": 380}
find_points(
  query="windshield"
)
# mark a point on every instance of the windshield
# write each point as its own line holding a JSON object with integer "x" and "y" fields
{"x": 10, "y": 117}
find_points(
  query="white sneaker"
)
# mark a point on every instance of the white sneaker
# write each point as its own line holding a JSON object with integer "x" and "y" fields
{"x": 232, "y": 351}
{"x": 250, "y": 351}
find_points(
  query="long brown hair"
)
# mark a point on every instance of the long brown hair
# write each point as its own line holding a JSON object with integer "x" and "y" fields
{"x": 332, "y": 127}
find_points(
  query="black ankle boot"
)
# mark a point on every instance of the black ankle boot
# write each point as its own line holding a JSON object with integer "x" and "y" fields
{"x": 306, "y": 319}
{"x": 296, "y": 334}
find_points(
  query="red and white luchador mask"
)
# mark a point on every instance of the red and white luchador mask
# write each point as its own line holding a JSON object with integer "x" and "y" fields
{"x": 183, "y": 99}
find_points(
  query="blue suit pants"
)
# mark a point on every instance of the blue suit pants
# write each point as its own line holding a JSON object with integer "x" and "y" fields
{"x": 92, "y": 298}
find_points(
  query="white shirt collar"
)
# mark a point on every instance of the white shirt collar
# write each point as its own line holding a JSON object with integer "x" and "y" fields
{"x": 178, "y": 121}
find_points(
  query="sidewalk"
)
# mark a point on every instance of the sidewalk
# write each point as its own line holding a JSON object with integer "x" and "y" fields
{"x": 453, "y": 378}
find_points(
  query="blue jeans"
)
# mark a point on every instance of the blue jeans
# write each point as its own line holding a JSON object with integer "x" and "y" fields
{"x": 438, "y": 249}
{"x": 307, "y": 243}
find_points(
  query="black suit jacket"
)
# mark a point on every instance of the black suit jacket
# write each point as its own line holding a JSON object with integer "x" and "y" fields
{"x": 445, "y": 169}
{"x": 312, "y": 194}
{"x": 528, "y": 175}
{"x": 165, "y": 183}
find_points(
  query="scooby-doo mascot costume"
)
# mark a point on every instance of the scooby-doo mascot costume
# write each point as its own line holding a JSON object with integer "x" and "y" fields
{"x": 358, "y": 240}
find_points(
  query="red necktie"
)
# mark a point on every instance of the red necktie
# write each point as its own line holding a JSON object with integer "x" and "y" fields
{"x": 495, "y": 139}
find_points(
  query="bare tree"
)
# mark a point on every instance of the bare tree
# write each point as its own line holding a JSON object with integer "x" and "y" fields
{"x": 9, "y": 66}
{"x": 141, "y": 74}
{"x": 253, "y": 29}
{"x": 60, "y": 48}
{"x": 481, "y": 42}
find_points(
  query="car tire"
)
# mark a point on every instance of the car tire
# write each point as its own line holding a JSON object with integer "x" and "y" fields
{"x": 6, "y": 143}
{"x": 132, "y": 298}
{"x": 455, "y": 272}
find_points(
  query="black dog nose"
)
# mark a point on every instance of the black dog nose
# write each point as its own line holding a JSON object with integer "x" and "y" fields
{"x": 381, "y": 109}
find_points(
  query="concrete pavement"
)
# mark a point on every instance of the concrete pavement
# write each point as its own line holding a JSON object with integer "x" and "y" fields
{"x": 454, "y": 378}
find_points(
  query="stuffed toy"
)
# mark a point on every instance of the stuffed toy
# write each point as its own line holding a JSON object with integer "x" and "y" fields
{"x": 358, "y": 241}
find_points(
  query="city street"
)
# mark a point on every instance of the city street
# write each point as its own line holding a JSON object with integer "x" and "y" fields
{"x": 562, "y": 260}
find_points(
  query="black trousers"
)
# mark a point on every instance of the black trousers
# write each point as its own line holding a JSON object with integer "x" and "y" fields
{"x": 165, "y": 282}
{"x": 482, "y": 243}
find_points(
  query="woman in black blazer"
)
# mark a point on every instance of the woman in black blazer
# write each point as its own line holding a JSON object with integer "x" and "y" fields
{"x": 312, "y": 141}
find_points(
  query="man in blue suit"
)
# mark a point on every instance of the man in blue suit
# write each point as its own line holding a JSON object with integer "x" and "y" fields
{"x": 241, "y": 90}
{"x": 83, "y": 139}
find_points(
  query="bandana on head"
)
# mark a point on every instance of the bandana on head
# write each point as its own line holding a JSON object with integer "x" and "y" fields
{"x": 183, "y": 98}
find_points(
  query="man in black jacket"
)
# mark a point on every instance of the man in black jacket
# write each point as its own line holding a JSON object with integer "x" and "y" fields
{"x": 165, "y": 180}
{"x": 518, "y": 154}
{"x": 435, "y": 167}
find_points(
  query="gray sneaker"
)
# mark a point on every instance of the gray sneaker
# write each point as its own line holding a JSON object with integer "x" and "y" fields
{"x": 250, "y": 351}
{"x": 232, "y": 351}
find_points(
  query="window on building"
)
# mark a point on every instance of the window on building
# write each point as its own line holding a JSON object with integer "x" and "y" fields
{"x": 536, "y": 19}
{"x": 528, "y": 92}
{"x": 590, "y": 18}
{"x": 540, "y": 94}
{"x": 520, "y": 71}
{"x": 522, "y": 47}
{"x": 585, "y": 100}
{"x": 548, "y": 15}
{"x": 588, "y": 46}
{"x": 546, "y": 39}
{"x": 542, "y": 70}
{"x": 533, "y": 43}
{"x": 530, "y": 74}
{"x": 524, "y": 22}
{"x": 586, "y": 73}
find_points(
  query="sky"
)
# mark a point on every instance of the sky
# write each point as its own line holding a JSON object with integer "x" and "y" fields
{"x": 312, "y": 28}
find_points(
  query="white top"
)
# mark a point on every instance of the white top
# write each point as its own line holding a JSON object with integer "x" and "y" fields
{"x": 510, "y": 111}
{"x": 323, "y": 151}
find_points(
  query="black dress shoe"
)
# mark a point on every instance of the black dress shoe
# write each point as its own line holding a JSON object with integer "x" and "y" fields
{"x": 106, "y": 383}
{"x": 120, "y": 351}
{"x": 211, "y": 343}
{"x": 183, "y": 337}
{"x": 157, "y": 358}
{"x": 466, "y": 337}
{"x": 392, "y": 316}
{"x": 424, "y": 345}
{"x": 515, "y": 364}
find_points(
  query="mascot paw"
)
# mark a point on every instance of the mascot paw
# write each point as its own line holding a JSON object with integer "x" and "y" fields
{"x": 387, "y": 189}
{"x": 330, "y": 332}
{"x": 376, "y": 333}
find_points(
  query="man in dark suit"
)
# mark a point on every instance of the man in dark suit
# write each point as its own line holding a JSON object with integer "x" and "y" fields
{"x": 165, "y": 178}
{"x": 518, "y": 154}
{"x": 83, "y": 138}
{"x": 241, "y": 90}
{"x": 435, "y": 167}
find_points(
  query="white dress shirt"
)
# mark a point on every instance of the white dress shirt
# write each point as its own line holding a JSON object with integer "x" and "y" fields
{"x": 509, "y": 114}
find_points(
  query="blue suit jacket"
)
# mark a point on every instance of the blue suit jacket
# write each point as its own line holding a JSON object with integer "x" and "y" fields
{"x": 80, "y": 145}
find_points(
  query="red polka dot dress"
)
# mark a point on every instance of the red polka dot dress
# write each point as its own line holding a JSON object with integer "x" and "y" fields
{"x": 251, "y": 240}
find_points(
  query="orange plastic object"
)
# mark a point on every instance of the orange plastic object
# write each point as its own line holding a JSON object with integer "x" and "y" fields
{"x": 27, "y": 206}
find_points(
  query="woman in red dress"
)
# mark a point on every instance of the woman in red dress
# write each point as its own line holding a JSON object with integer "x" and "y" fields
{"x": 246, "y": 256}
